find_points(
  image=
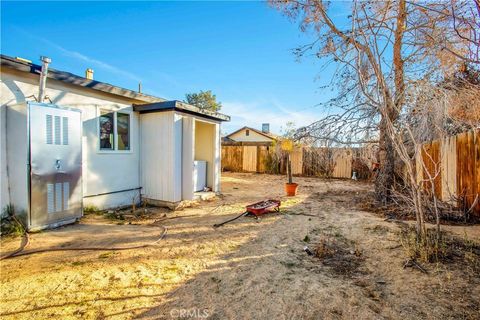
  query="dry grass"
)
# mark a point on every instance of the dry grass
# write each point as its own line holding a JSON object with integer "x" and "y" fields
{"x": 448, "y": 249}
{"x": 228, "y": 271}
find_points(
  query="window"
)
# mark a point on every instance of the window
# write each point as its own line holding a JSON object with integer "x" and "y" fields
{"x": 106, "y": 131}
{"x": 123, "y": 131}
{"x": 247, "y": 132}
{"x": 114, "y": 131}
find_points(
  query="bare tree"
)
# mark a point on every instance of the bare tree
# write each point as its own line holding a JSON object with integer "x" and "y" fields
{"x": 382, "y": 51}
{"x": 466, "y": 24}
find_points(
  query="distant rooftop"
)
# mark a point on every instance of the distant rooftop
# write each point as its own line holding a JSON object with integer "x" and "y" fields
{"x": 265, "y": 134}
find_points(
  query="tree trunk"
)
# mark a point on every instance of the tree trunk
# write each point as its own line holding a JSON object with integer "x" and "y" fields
{"x": 386, "y": 153}
{"x": 386, "y": 172}
{"x": 289, "y": 169}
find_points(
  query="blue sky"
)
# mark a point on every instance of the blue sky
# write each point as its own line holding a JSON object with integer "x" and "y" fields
{"x": 242, "y": 51}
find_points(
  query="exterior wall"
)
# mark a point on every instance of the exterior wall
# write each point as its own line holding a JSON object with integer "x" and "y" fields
{"x": 177, "y": 156}
{"x": 103, "y": 171}
{"x": 188, "y": 156}
{"x": 16, "y": 159}
{"x": 252, "y": 137}
{"x": 161, "y": 138}
{"x": 172, "y": 141}
{"x": 4, "y": 194}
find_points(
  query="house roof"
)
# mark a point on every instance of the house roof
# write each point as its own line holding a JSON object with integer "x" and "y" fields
{"x": 268, "y": 135}
{"x": 227, "y": 139}
{"x": 70, "y": 78}
{"x": 181, "y": 107}
{"x": 154, "y": 104}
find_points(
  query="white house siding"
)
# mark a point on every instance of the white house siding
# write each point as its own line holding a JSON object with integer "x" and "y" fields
{"x": 252, "y": 137}
{"x": 177, "y": 157}
{"x": 188, "y": 156}
{"x": 16, "y": 182}
{"x": 103, "y": 172}
{"x": 172, "y": 141}
{"x": 4, "y": 197}
{"x": 161, "y": 138}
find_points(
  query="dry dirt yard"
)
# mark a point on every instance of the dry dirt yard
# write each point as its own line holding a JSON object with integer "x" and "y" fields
{"x": 244, "y": 270}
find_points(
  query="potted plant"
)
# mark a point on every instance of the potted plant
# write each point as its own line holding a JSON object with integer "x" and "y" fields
{"x": 290, "y": 186}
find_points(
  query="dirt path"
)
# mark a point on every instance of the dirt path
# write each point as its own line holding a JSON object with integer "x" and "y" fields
{"x": 244, "y": 270}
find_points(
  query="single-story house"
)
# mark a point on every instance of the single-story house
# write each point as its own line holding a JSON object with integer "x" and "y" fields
{"x": 248, "y": 134}
{"x": 93, "y": 144}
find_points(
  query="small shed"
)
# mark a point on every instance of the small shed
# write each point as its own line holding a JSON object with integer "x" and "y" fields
{"x": 174, "y": 138}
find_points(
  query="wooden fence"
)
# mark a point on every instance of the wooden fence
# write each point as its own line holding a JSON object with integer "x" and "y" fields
{"x": 453, "y": 164}
{"x": 266, "y": 158}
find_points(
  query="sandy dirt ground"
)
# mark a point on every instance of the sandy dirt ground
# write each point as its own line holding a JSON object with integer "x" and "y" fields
{"x": 248, "y": 269}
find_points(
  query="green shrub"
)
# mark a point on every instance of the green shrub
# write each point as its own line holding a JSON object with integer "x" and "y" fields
{"x": 9, "y": 225}
{"x": 90, "y": 209}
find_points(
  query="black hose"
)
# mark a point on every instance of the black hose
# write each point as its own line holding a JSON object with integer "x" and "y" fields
{"x": 230, "y": 220}
{"x": 23, "y": 244}
{"x": 18, "y": 252}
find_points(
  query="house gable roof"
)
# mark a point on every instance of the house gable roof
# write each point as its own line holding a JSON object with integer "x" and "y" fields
{"x": 268, "y": 135}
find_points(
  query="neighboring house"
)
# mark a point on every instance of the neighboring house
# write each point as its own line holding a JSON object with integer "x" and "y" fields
{"x": 247, "y": 134}
{"x": 95, "y": 144}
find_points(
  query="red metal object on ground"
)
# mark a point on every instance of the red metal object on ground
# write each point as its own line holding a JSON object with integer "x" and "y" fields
{"x": 255, "y": 209}
{"x": 263, "y": 207}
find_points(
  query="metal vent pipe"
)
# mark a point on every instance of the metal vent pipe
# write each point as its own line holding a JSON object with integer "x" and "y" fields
{"x": 43, "y": 77}
{"x": 89, "y": 74}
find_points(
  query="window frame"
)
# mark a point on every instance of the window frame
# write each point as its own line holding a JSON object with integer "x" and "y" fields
{"x": 115, "y": 132}
{"x": 247, "y": 132}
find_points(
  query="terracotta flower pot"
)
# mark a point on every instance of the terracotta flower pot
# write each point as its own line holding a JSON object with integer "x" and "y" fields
{"x": 291, "y": 189}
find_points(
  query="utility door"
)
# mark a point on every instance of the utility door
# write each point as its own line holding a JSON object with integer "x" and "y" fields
{"x": 55, "y": 165}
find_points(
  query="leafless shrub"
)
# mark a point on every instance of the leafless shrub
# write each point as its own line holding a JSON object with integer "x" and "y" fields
{"x": 361, "y": 168}
{"x": 275, "y": 160}
{"x": 325, "y": 248}
{"x": 402, "y": 207}
{"x": 318, "y": 162}
{"x": 336, "y": 252}
{"x": 447, "y": 248}
{"x": 391, "y": 57}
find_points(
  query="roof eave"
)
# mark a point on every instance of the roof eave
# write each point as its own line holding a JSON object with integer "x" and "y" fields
{"x": 179, "y": 106}
{"x": 70, "y": 78}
